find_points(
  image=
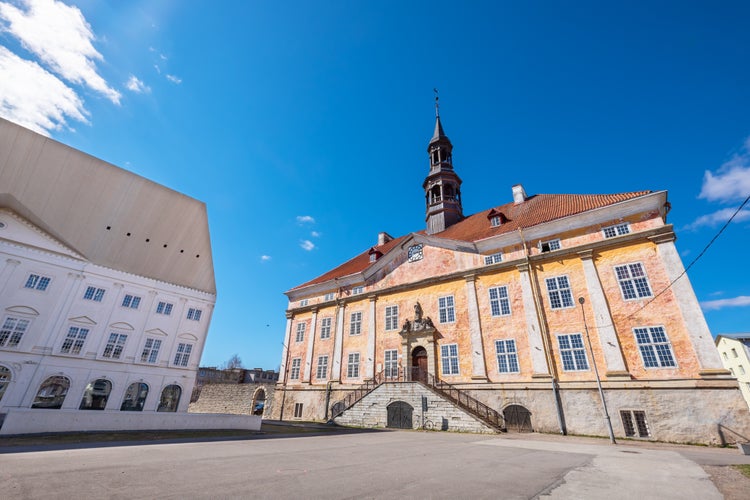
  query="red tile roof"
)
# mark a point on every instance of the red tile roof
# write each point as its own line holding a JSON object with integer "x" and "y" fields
{"x": 537, "y": 209}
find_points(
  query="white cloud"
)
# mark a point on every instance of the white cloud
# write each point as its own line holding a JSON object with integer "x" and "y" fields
{"x": 265, "y": 258}
{"x": 174, "y": 79}
{"x": 731, "y": 181}
{"x": 158, "y": 70}
{"x": 715, "y": 305}
{"x": 35, "y": 98}
{"x": 718, "y": 217}
{"x": 302, "y": 219}
{"x": 307, "y": 245}
{"x": 62, "y": 39}
{"x": 315, "y": 234}
{"x": 137, "y": 85}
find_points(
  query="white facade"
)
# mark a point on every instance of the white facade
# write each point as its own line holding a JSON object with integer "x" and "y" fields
{"x": 734, "y": 350}
{"x": 74, "y": 306}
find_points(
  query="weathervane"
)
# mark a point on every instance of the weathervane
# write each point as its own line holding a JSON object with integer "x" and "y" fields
{"x": 437, "y": 105}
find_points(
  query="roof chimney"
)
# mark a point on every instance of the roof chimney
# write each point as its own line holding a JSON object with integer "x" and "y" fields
{"x": 519, "y": 194}
{"x": 384, "y": 238}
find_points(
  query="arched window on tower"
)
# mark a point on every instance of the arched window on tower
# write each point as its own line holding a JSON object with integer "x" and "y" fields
{"x": 51, "y": 393}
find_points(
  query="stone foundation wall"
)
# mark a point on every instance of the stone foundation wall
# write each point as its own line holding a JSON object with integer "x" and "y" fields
{"x": 232, "y": 398}
{"x": 372, "y": 411}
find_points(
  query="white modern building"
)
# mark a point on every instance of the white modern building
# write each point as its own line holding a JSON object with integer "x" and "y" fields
{"x": 734, "y": 349}
{"x": 106, "y": 289}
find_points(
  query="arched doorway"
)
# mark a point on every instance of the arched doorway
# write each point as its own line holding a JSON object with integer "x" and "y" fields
{"x": 517, "y": 418}
{"x": 259, "y": 402}
{"x": 419, "y": 364}
{"x": 400, "y": 415}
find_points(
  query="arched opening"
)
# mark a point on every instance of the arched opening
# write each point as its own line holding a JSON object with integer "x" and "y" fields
{"x": 400, "y": 415}
{"x": 96, "y": 394}
{"x": 5, "y": 377}
{"x": 51, "y": 393}
{"x": 170, "y": 398}
{"x": 517, "y": 418}
{"x": 135, "y": 397}
{"x": 419, "y": 364}
{"x": 259, "y": 402}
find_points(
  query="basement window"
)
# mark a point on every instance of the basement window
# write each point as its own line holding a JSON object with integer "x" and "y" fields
{"x": 634, "y": 423}
{"x": 297, "y": 410}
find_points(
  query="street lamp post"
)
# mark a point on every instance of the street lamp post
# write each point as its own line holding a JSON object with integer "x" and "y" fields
{"x": 581, "y": 300}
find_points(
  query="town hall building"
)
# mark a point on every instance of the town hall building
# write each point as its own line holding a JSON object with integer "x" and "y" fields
{"x": 505, "y": 319}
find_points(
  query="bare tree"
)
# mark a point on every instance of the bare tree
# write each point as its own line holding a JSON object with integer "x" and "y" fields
{"x": 232, "y": 363}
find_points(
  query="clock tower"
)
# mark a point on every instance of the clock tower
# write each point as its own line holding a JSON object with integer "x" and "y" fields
{"x": 442, "y": 187}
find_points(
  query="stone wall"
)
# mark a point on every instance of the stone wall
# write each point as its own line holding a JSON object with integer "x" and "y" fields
{"x": 232, "y": 398}
{"x": 372, "y": 411}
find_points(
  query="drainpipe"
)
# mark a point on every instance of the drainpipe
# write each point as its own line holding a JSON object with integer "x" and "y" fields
{"x": 328, "y": 398}
{"x": 545, "y": 341}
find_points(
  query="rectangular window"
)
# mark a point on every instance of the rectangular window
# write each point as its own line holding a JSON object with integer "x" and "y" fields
{"x": 734, "y": 352}
{"x": 726, "y": 358}
{"x": 93, "y": 293}
{"x": 182, "y": 356}
{"x": 296, "y": 362}
{"x": 549, "y": 246}
{"x": 115, "y": 345}
{"x": 329, "y": 296}
{"x": 446, "y": 309}
{"x": 391, "y": 318}
{"x": 634, "y": 423}
{"x": 164, "y": 308}
{"x": 325, "y": 328}
{"x": 37, "y": 282}
{"x": 300, "y": 337}
{"x": 391, "y": 363}
{"x": 150, "y": 351}
{"x": 297, "y": 410}
{"x": 322, "y": 372}
{"x": 633, "y": 281}
{"x": 560, "y": 295}
{"x": 499, "y": 301}
{"x": 572, "y": 352}
{"x": 493, "y": 259}
{"x": 74, "y": 340}
{"x": 507, "y": 357}
{"x": 449, "y": 359}
{"x": 355, "y": 323}
{"x": 654, "y": 346}
{"x": 495, "y": 221}
{"x": 357, "y": 290}
{"x": 131, "y": 301}
{"x": 352, "y": 367}
{"x": 303, "y": 302}
{"x": 616, "y": 230}
{"x": 742, "y": 369}
{"x": 194, "y": 314}
{"x": 12, "y": 331}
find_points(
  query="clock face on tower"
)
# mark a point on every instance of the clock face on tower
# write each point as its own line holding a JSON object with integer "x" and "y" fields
{"x": 415, "y": 253}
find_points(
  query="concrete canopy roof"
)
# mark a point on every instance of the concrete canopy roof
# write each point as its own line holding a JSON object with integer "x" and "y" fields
{"x": 112, "y": 217}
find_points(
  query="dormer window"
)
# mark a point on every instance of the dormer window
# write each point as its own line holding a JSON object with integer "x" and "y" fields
{"x": 373, "y": 257}
{"x": 549, "y": 246}
{"x": 495, "y": 221}
{"x": 496, "y": 218}
{"x": 375, "y": 254}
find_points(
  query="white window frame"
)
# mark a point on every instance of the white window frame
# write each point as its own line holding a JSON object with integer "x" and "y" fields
{"x": 321, "y": 371}
{"x": 182, "y": 355}
{"x": 150, "y": 351}
{"x": 352, "y": 365}
{"x": 447, "y": 309}
{"x": 495, "y": 221}
{"x": 358, "y": 290}
{"x": 164, "y": 308}
{"x": 654, "y": 347}
{"x": 296, "y": 365}
{"x": 115, "y": 345}
{"x": 559, "y": 292}
{"x": 37, "y": 282}
{"x": 616, "y": 230}
{"x": 391, "y": 318}
{"x": 449, "y": 362}
{"x": 355, "y": 323}
{"x": 325, "y": 328}
{"x": 300, "y": 333}
{"x": 633, "y": 286}
{"x": 574, "y": 348}
{"x": 550, "y": 245}
{"x": 74, "y": 341}
{"x": 507, "y": 356}
{"x": 12, "y": 331}
{"x": 94, "y": 293}
{"x": 500, "y": 303}
{"x": 391, "y": 363}
{"x": 194, "y": 314}
{"x": 130, "y": 301}
{"x": 494, "y": 258}
{"x": 303, "y": 302}
{"x": 329, "y": 296}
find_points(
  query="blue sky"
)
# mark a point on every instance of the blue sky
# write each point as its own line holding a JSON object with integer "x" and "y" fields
{"x": 303, "y": 125}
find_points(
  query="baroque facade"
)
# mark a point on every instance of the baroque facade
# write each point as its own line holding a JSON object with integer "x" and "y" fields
{"x": 499, "y": 306}
{"x": 106, "y": 286}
